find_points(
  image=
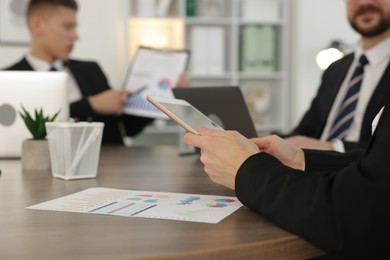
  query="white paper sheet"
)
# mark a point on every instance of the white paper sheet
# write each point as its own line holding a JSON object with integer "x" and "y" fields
{"x": 159, "y": 71}
{"x": 145, "y": 204}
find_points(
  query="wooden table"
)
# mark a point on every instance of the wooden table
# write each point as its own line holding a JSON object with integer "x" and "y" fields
{"x": 34, "y": 234}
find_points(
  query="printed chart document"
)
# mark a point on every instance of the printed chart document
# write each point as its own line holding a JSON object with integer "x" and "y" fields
{"x": 154, "y": 72}
{"x": 145, "y": 204}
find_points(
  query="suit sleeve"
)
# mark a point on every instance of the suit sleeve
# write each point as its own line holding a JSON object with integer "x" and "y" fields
{"x": 91, "y": 81}
{"x": 317, "y": 160}
{"x": 135, "y": 124}
{"x": 342, "y": 209}
{"x": 350, "y": 146}
{"x": 82, "y": 110}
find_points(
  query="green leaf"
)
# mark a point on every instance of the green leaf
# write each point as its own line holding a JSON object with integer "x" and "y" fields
{"x": 36, "y": 125}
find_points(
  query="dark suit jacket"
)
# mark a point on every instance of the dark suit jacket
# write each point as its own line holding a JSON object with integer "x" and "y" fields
{"x": 341, "y": 202}
{"x": 314, "y": 121}
{"x": 91, "y": 81}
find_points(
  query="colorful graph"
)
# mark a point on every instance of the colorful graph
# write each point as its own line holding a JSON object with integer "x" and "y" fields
{"x": 216, "y": 205}
{"x": 163, "y": 196}
{"x": 164, "y": 84}
{"x": 134, "y": 199}
{"x": 149, "y": 198}
{"x": 138, "y": 102}
{"x": 189, "y": 200}
{"x": 89, "y": 201}
{"x": 122, "y": 208}
{"x": 225, "y": 200}
{"x": 151, "y": 201}
{"x": 146, "y": 204}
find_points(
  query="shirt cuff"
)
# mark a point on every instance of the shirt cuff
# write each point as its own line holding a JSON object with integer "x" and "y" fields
{"x": 338, "y": 145}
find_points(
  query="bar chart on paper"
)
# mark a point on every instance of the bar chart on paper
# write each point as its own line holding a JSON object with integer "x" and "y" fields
{"x": 155, "y": 72}
{"x": 146, "y": 204}
{"x": 140, "y": 106}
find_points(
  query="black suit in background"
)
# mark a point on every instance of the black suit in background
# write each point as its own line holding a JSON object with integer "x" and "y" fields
{"x": 341, "y": 202}
{"x": 91, "y": 81}
{"x": 314, "y": 121}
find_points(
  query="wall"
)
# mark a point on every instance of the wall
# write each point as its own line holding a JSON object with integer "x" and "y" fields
{"x": 103, "y": 38}
{"x": 314, "y": 24}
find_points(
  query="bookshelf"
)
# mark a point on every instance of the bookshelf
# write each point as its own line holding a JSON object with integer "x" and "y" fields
{"x": 221, "y": 29}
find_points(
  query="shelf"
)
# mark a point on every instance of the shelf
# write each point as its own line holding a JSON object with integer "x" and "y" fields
{"x": 210, "y": 76}
{"x": 227, "y": 43}
{"x": 241, "y": 75}
{"x": 207, "y": 21}
{"x": 243, "y": 22}
{"x": 261, "y": 75}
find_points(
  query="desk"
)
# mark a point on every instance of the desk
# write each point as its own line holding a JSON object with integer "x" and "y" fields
{"x": 33, "y": 234}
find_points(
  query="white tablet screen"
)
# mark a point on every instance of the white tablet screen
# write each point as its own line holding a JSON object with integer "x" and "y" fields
{"x": 190, "y": 116}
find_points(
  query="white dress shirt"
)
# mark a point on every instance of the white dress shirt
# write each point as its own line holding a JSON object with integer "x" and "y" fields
{"x": 376, "y": 121}
{"x": 74, "y": 93}
{"x": 378, "y": 57}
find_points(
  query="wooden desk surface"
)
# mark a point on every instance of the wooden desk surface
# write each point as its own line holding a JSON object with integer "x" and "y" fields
{"x": 33, "y": 234}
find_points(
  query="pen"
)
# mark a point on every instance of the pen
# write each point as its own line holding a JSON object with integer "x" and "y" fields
{"x": 139, "y": 90}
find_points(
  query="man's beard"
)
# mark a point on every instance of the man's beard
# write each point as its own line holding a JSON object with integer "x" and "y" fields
{"x": 380, "y": 28}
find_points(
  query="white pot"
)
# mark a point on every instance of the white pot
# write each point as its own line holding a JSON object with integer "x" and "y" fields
{"x": 35, "y": 155}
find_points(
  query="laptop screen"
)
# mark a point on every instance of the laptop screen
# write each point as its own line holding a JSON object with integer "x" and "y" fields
{"x": 33, "y": 90}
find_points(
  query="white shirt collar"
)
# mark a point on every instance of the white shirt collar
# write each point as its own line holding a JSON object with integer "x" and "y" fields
{"x": 42, "y": 65}
{"x": 375, "y": 54}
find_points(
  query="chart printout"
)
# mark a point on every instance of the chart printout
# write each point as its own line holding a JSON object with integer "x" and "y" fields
{"x": 145, "y": 204}
{"x": 153, "y": 73}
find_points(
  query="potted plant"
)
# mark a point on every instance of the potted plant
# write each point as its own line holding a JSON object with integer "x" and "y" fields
{"x": 35, "y": 151}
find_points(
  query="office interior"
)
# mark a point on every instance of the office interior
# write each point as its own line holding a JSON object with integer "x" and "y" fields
{"x": 104, "y": 37}
{"x": 308, "y": 30}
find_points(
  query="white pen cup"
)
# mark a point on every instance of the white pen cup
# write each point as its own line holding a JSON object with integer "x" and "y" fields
{"x": 74, "y": 149}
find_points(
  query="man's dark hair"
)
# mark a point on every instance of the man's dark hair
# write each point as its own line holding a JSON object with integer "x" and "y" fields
{"x": 36, "y": 4}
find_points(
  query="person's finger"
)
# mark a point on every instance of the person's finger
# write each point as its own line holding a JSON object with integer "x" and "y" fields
{"x": 192, "y": 139}
{"x": 208, "y": 131}
{"x": 122, "y": 101}
{"x": 263, "y": 143}
{"x": 128, "y": 93}
{"x": 124, "y": 96}
{"x": 260, "y": 140}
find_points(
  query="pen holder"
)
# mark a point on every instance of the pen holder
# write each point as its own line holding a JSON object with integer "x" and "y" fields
{"x": 74, "y": 149}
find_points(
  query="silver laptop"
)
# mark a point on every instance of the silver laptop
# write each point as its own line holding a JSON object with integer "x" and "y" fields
{"x": 224, "y": 105}
{"x": 33, "y": 90}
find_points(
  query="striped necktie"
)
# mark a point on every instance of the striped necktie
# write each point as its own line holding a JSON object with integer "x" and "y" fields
{"x": 346, "y": 112}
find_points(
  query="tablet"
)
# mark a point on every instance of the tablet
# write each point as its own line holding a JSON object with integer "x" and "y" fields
{"x": 183, "y": 113}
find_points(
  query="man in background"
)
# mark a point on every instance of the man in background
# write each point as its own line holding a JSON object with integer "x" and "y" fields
{"x": 350, "y": 94}
{"x": 53, "y": 24}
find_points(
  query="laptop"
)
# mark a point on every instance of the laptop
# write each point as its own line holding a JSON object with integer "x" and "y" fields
{"x": 224, "y": 105}
{"x": 33, "y": 90}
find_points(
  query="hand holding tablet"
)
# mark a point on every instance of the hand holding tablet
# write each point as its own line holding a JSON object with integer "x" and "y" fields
{"x": 183, "y": 113}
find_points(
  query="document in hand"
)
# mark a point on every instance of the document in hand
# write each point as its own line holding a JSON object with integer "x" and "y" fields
{"x": 154, "y": 72}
